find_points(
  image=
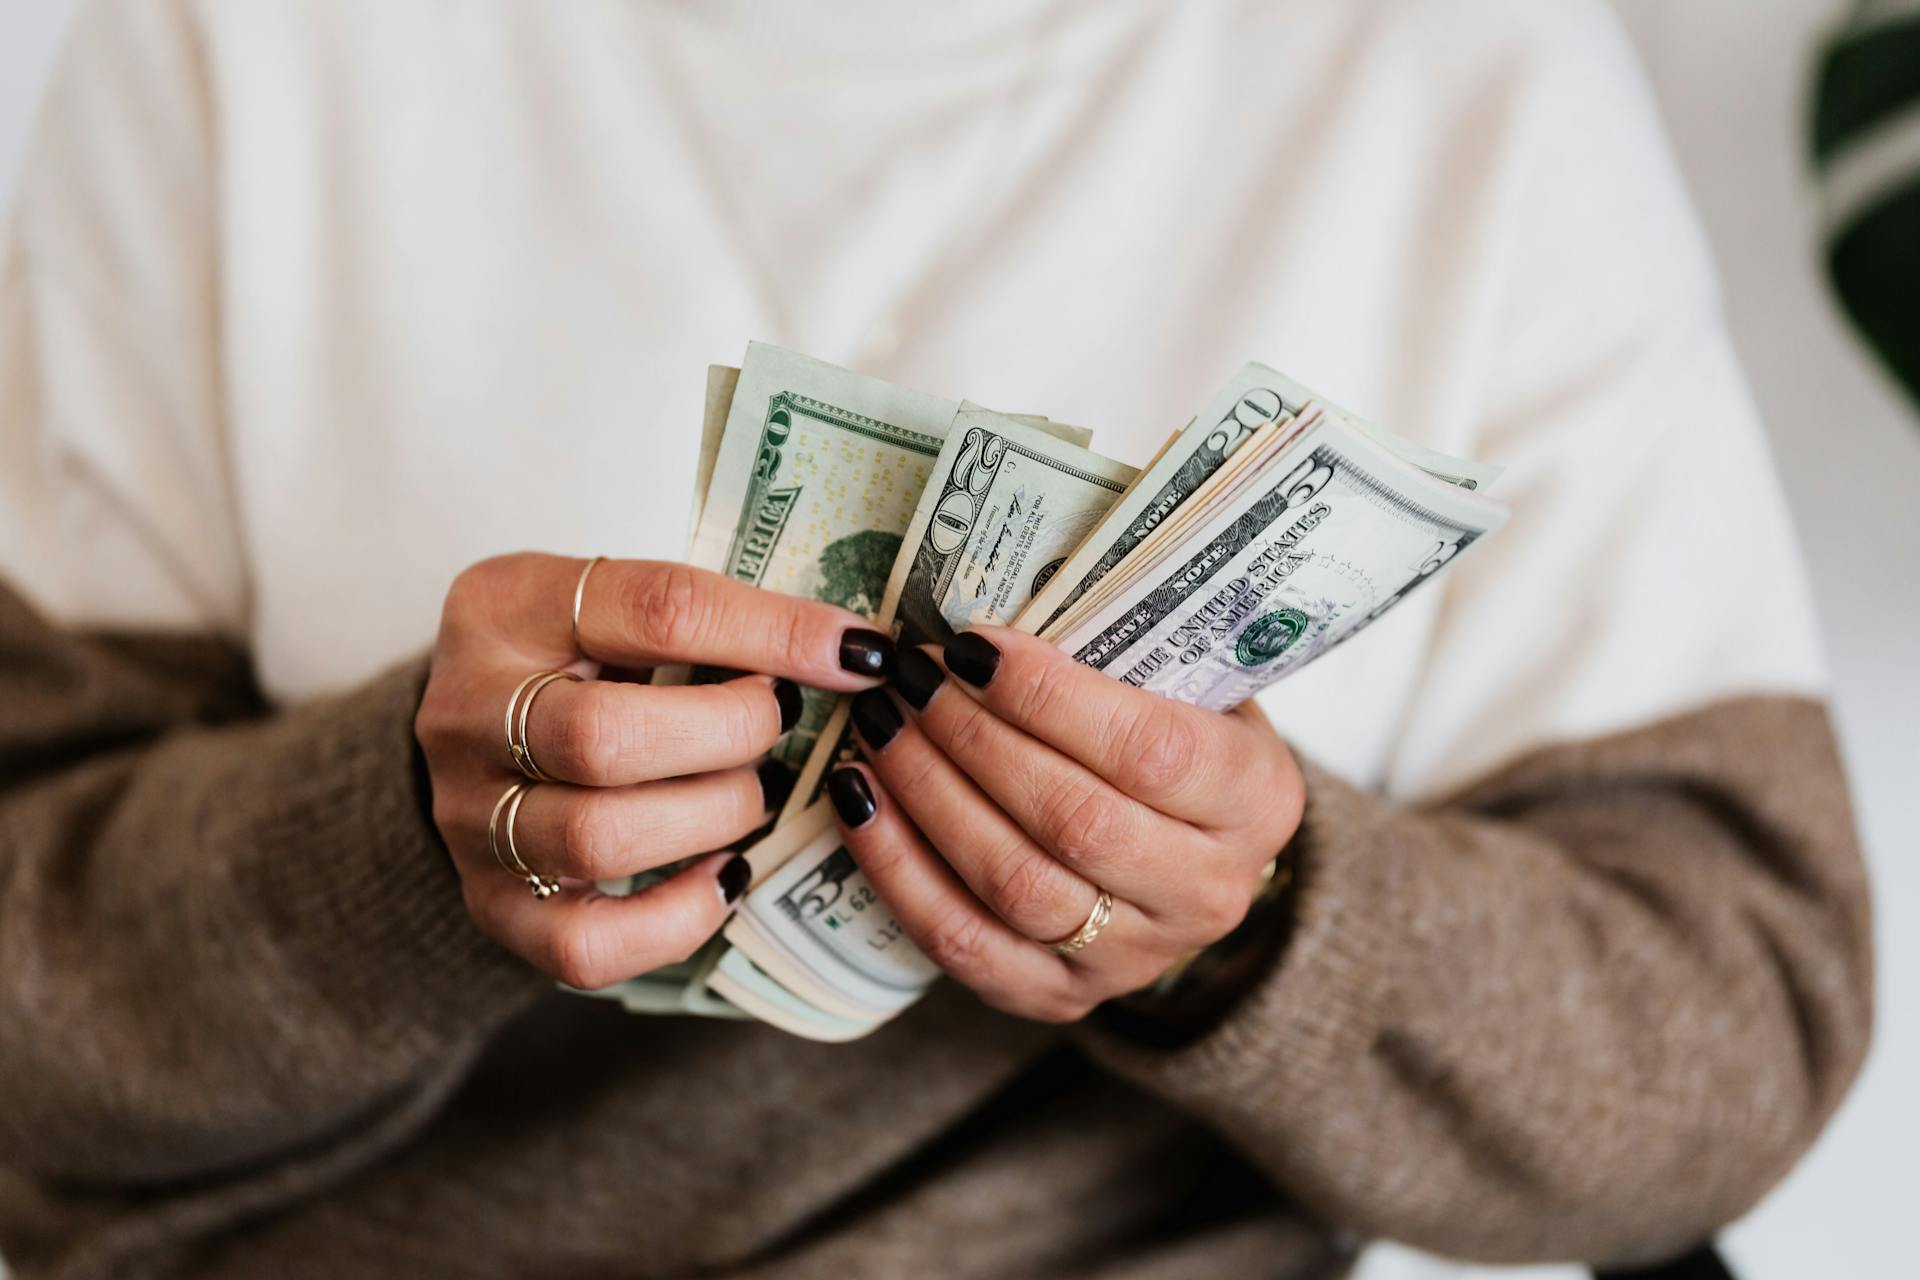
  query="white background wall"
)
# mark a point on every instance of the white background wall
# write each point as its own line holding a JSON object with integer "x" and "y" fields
{"x": 1732, "y": 78}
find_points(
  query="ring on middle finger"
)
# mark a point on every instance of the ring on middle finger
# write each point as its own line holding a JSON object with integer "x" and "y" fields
{"x": 518, "y": 707}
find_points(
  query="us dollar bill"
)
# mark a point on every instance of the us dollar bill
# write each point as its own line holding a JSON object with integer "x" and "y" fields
{"x": 814, "y": 482}
{"x": 823, "y": 913}
{"x": 809, "y": 476}
{"x": 1079, "y": 437}
{"x": 752, "y": 990}
{"x": 1255, "y": 396}
{"x": 1234, "y": 413}
{"x": 722, "y": 382}
{"x": 785, "y": 967}
{"x": 1340, "y": 531}
{"x": 1004, "y": 508}
{"x": 1006, "y": 504}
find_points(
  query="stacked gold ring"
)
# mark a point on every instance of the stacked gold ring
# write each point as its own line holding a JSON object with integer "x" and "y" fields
{"x": 579, "y": 597}
{"x": 506, "y": 852}
{"x": 517, "y": 708}
{"x": 1082, "y": 937}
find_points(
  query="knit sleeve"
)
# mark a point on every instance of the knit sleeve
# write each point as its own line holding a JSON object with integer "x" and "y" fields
{"x": 1589, "y": 1009}
{"x": 223, "y": 933}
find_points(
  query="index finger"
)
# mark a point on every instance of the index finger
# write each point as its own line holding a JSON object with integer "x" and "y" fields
{"x": 640, "y": 613}
{"x": 1160, "y": 752}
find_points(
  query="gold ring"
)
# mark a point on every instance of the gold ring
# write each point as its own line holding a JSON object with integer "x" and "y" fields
{"x": 579, "y": 595}
{"x": 516, "y": 724}
{"x": 509, "y": 802}
{"x": 1080, "y": 939}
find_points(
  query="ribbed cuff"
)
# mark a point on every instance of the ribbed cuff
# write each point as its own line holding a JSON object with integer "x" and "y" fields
{"x": 1312, "y": 1017}
{"x": 350, "y": 875}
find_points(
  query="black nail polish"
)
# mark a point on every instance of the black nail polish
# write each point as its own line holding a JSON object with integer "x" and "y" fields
{"x": 973, "y": 658}
{"x": 787, "y": 694}
{"x": 919, "y": 678}
{"x": 852, "y": 799}
{"x": 733, "y": 878}
{"x": 877, "y": 719}
{"x": 866, "y": 653}
{"x": 776, "y": 783}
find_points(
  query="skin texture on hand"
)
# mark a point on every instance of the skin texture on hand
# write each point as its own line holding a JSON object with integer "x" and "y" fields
{"x": 641, "y": 776}
{"x": 1006, "y": 787}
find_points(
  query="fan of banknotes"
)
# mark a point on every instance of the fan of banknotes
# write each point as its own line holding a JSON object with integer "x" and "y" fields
{"x": 1266, "y": 531}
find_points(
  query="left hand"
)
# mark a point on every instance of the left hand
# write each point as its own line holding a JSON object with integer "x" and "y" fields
{"x": 1026, "y": 784}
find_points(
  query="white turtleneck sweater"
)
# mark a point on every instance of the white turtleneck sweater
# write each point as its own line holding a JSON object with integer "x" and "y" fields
{"x": 306, "y": 306}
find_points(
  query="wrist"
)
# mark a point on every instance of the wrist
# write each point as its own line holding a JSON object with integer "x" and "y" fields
{"x": 1201, "y": 989}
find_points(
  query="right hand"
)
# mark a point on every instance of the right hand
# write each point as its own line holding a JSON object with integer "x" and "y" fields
{"x": 645, "y": 775}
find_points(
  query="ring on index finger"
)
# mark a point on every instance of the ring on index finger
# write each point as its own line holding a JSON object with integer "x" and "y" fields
{"x": 517, "y": 708}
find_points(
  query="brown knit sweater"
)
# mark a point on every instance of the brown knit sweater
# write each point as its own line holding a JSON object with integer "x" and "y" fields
{"x": 1590, "y": 1009}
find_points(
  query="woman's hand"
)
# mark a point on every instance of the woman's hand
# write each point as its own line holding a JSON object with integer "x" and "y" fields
{"x": 1026, "y": 784}
{"x": 643, "y": 775}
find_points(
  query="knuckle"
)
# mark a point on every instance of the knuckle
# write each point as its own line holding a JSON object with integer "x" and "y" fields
{"x": 680, "y": 937}
{"x": 591, "y": 736}
{"x": 679, "y": 950}
{"x": 909, "y": 778}
{"x": 427, "y": 716}
{"x": 737, "y": 809}
{"x": 1221, "y": 910}
{"x": 1083, "y": 824}
{"x": 1271, "y": 823}
{"x": 1071, "y": 1008}
{"x": 1012, "y": 1003}
{"x": 966, "y": 730}
{"x": 1288, "y": 797}
{"x": 436, "y": 721}
{"x": 958, "y": 942}
{"x": 589, "y": 839}
{"x": 793, "y": 639}
{"x": 446, "y": 814}
{"x": 698, "y": 825}
{"x": 1161, "y": 750}
{"x": 573, "y": 956}
{"x": 666, "y": 606}
{"x": 879, "y": 858}
{"x": 1021, "y": 887}
{"x": 476, "y": 594}
{"x": 473, "y": 584}
{"x": 746, "y": 727}
{"x": 1040, "y": 695}
{"x": 1057, "y": 1007}
{"x": 480, "y": 909}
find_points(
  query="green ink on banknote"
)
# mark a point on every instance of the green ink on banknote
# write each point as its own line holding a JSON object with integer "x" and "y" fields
{"x": 854, "y": 569}
{"x": 1267, "y": 637}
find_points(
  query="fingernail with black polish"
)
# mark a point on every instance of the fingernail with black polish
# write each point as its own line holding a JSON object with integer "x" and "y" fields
{"x": 877, "y": 719}
{"x": 919, "y": 678}
{"x": 852, "y": 798}
{"x": 866, "y": 653}
{"x": 973, "y": 658}
{"x": 776, "y": 783}
{"x": 733, "y": 879}
{"x": 787, "y": 694}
